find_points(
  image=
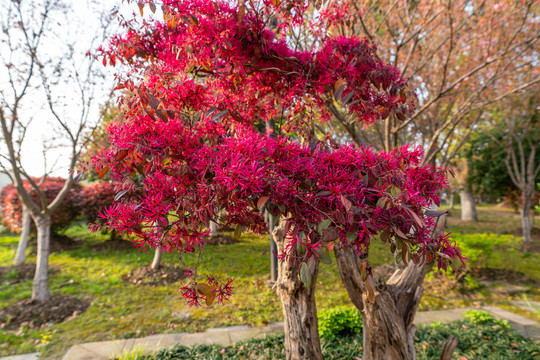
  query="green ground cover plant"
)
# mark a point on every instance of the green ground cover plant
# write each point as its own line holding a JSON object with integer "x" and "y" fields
{"x": 479, "y": 336}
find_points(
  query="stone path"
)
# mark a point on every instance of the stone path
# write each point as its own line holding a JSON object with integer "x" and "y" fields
{"x": 106, "y": 350}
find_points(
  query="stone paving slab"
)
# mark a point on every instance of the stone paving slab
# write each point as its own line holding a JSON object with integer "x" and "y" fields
{"x": 531, "y": 306}
{"x": 32, "y": 356}
{"x": 229, "y": 335}
{"x": 443, "y": 316}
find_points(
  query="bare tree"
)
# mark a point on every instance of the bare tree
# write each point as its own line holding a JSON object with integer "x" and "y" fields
{"x": 459, "y": 55}
{"x": 522, "y": 142}
{"x": 41, "y": 65}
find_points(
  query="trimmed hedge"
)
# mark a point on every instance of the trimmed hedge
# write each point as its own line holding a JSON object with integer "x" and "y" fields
{"x": 68, "y": 210}
{"x": 97, "y": 197}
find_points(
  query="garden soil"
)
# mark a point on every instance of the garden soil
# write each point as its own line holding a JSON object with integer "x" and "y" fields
{"x": 34, "y": 314}
{"x": 163, "y": 276}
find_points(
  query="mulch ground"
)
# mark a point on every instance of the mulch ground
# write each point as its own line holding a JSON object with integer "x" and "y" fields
{"x": 502, "y": 275}
{"x": 34, "y": 314}
{"x": 17, "y": 274}
{"x": 165, "y": 275}
{"x": 221, "y": 239}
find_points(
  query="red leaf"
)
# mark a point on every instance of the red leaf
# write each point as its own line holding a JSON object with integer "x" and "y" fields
{"x": 330, "y": 247}
{"x": 148, "y": 168}
{"x": 261, "y": 203}
{"x": 120, "y": 155}
{"x": 101, "y": 173}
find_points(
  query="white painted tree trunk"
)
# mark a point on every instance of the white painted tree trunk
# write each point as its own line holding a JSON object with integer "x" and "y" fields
{"x": 20, "y": 255}
{"x": 40, "y": 289}
{"x": 468, "y": 207}
{"x": 156, "y": 263}
{"x": 213, "y": 229}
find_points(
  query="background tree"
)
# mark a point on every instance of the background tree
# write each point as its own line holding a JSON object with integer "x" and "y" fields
{"x": 30, "y": 68}
{"x": 516, "y": 121}
{"x": 203, "y": 86}
{"x": 461, "y": 56}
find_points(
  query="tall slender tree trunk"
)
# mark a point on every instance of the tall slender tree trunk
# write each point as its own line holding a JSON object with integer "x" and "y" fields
{"x": 20, "y": 255}
{"x": 299, "y": 308}
{"x": 40, "y": 290}
{"x": 156, "y": 262}
{"x": 388, "y": 316}
{"x": 526, "y": 220}
{"x": 451, "y": 201}
{"x": 213, "y": 229}
{"x": 468, "y": 207}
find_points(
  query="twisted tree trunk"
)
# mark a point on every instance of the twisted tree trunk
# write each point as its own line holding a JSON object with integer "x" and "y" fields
{"x": 388, "y": 328}
{"x": 388, "y": 310}
{"x": 298, "y": 302}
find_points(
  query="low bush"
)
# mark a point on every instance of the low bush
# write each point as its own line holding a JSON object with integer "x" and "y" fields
{"x": 339, "y": 321}
{"x": 479, "y": 336}
{"x": 479, "y": 248}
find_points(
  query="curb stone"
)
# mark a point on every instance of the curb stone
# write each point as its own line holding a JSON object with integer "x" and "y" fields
{"x": 32, "y": 356}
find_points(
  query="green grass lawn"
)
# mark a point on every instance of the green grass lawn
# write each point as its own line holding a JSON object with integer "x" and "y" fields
{"x": 121, "y": 310}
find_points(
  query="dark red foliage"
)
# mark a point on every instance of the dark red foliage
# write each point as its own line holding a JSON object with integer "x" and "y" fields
{"x": 202, "y": 84}
{"x": 68, "y": 210}
{"x": 96, "y": 197}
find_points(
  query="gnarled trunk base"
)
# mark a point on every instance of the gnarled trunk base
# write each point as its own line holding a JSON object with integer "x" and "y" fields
{"x": 388, "y": 315}
{"x": 299, "y": 308}
{"x": 388, "y": 328}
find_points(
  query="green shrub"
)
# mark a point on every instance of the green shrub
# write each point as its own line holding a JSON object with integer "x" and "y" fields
{"x": 483, "y": 317}
{"x": 479, "y": 248}
{"x": 339, "y": 321}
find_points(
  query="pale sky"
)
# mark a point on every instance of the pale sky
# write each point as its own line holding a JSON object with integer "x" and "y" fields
{"x": 78, "y": 27}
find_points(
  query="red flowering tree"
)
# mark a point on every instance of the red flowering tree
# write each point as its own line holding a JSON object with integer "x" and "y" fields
{"x": 202, "y": 87}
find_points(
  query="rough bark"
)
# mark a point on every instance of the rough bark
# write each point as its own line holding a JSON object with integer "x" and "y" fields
{"x": 388, "y": 328}
{"x": 468, "y": 207}
{"x": 448, "y": 348}
{"x": 299, "y": 309}
{"x": 156, "y": 262}
{"x": 388, "y": 317}
{"x": 20, "y": 255}
{"x": 40, "y": 289}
